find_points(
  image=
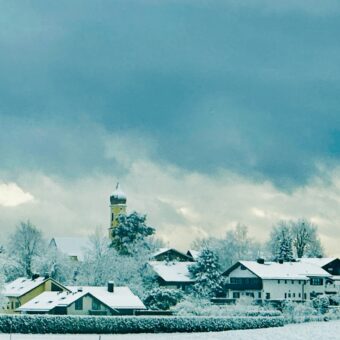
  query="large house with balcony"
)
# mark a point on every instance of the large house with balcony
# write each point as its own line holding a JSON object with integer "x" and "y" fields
{"x": 276, "y": 281}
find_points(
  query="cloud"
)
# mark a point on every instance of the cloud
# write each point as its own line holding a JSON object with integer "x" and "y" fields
{"x": 181, "y": 204}
{"x": 11, "y": 195}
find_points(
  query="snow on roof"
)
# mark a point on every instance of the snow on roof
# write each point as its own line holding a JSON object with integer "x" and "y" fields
{"x": 21, "y": 286}
{"x": 172, "y": 271}
{"x": 323, "y": 261}
{"x": 194, "y": 253}
{"x": 121, "y": 298}
{"x": 286, "y": 270}
{"x": 72, "y": 246}
{"x": 160, "y": 251}
{"x": 46, "y": 301}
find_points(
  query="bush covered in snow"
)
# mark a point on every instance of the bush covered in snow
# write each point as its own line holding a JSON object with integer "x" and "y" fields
{"x": 109, "y": 325}
{"x": 203, "y": 307}
{"x": 321, "y": 303}
{"x": 161, "y": 298}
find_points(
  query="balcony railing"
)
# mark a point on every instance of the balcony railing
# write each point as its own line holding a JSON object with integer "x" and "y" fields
{"x": 245, "y": 286}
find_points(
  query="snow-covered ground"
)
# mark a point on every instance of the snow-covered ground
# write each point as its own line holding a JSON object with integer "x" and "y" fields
{"x": 314, "y": 330}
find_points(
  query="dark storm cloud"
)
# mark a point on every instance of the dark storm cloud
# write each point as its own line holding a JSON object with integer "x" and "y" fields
{"x": 252, "y": 88}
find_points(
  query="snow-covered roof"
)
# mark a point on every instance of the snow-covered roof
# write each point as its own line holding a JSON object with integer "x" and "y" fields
{"x": 160, "y": 251}
{"x": 194, "y": 253}
{"x": 121, "y": 298}
{"x": 21, "y": 286}
{"x": 323, "y": 261}
{"x": 72, "y": 246}
{"x": 172, "y": 271}
{"x": 286, "y": 270}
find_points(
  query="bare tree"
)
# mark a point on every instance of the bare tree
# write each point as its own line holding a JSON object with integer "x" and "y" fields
{"x": 25, "y": 245}
{"x": 305, "y": 239}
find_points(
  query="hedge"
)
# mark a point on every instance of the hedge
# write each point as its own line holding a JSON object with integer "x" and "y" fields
{"x": 43, "y": 324}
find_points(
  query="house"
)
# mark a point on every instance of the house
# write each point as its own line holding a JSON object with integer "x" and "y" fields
{"x": 262, "y": 280}
{"x": 74, "y": 247}
{"x": 170, "y": 254}
{"x": 194, "y": 254}
{"x": 330, "y": 265}
{"x": 172, "y": 274}
{"x": 108, "y": 300}
{"x": 22, "y": 290}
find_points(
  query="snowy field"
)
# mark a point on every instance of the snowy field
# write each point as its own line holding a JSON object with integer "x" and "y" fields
{"x": 315, "y": 330}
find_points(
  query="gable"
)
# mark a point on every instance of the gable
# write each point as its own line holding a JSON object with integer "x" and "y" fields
{"x": 172, "y": 255}
{"x": 333, "y": 267}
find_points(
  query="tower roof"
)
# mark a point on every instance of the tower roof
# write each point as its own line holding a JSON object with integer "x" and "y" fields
{"x": 118, "y": 196}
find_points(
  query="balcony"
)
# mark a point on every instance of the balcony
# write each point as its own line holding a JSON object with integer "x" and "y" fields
{"x": 244, "y": 284}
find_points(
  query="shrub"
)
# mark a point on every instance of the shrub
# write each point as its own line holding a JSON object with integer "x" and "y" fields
{"x": 321, "y": 303}
{"x": 42, "y": 324}
{"x": 161, "y": 298}
{"x": 194, "y": 306}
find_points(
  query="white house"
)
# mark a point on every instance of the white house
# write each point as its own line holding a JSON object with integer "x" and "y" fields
{"x": 262, "y": 280}
{"x": 108, "y": 300}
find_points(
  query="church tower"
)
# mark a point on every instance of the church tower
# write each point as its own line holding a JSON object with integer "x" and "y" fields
{"x": 117, "y": 207}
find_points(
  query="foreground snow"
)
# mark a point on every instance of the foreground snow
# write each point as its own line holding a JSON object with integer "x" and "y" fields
{"x": 315, "y": 330}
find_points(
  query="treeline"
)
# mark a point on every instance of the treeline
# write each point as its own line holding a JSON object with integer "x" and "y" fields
{"x": 125, "y": 257}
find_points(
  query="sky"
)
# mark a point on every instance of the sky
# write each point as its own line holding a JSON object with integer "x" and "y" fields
{"x": 209, "y": 114}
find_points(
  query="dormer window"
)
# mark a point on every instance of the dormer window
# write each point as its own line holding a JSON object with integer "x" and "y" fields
{"x": 243, "y": 267}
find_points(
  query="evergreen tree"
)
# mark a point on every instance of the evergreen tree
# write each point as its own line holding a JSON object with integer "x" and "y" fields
{"x": 285, "y": 250}
{"x": 131, "y": 230}
{"x": 207, "y": 275}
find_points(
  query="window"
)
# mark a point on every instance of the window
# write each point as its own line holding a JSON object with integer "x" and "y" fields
{"x": 267, "y": 296}
{"x": 260, "y": 295}
{"x": 236, "y": 295}
{"x": 243, "y": 267}
{"x": 95, "y": 305}
{"x": 278, "y": 281}
{"x": 299, "y": 295}
{"x": 112, "y": 217}
{"x": 292, "y": 282}
{"x": 316, "y": 281}
{"x": 293, "y": 295}
{"x": 79, "y": 304}
{"x": 289, "y": 295}
{"x": 299, "y": 282}
{"x": 285, "y": 281}
{"x": 285, "y": 295}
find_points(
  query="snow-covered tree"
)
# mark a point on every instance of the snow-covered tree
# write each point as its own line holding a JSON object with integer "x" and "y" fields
{"x": 103, "y": 263}
{"x": 163, "y": 299}
{"x": 305, "y": 239}
{"x": 56, "y": 265}
{"x": 290, "y": 239}
{"x": 236, "y": 245}
{"x": 131, "y": 230}
{"x": 2, "y": 282}
{"x": 207, "y": 274}
{"x": 280, "y": 242}
{"x": 25, "y": 245}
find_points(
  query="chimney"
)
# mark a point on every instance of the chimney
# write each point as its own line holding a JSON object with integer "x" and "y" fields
{"x": 80, "y": 289}
{"x": 111, "y": 286}
{"x": 35, "y": 276}
{"x": 260, "y": 261}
